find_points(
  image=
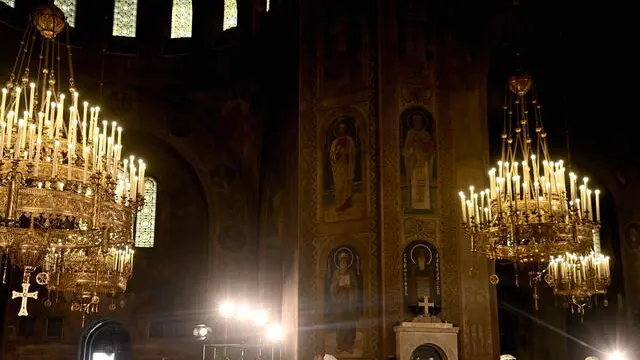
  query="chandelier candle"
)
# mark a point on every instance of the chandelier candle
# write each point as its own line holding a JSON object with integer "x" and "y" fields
{"x": 68, "y": 195}
{"x": 533, "y": 207}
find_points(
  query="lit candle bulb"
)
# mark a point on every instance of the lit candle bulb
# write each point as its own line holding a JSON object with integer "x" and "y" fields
{"x": 463, "y": 209}
{"x": 3, "y": 103}
{"x": 597, "y": 205}
{"x": 32, "y": 90}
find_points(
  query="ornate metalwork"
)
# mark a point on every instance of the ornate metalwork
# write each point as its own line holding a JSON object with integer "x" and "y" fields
{"x": 529, "y": 211}
{"x": 69, "y": 9}
{"x": 68, "y": 200}
{"x": 579, "y": 278}
{"x": 230, "y": 14}
{"x": 125, "y": 15}
{"x": 182, "y": 19}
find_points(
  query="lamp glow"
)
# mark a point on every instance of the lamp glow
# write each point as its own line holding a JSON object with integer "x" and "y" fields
{"x": 243, "y": 311}
{"x": 102, "y": 356}
{"x": 201, "y": 331}
{"x": 227, "y": 310}
{"x": 261, "y": 318}
{"x": 275, "y": 333}
{"x": 616, "y": 355}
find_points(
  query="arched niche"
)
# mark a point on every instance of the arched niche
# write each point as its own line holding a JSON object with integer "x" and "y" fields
{"x": 106, "y": 336}
{"x": 422, "y": 281}
{"x": 427, "y": 352}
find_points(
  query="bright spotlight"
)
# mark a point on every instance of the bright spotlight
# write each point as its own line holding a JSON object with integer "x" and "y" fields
{"x": 102, "y": 356}
{"x": 243, "y": 311}
{"x": 260, "y": 318}
{"x": 201, "y": 331}
{"x": 274, "y": 332}
{"x": 616, "y": 355}
{"x": 227, "y": 310}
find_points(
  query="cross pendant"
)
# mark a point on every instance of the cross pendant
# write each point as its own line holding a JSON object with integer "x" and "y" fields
{"x": 25, "y": 295}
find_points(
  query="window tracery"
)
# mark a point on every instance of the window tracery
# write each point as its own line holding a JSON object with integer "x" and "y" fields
{"x": 68, "y": 7}
{"x": 181, "y": 19}
{"x": 146, "y": 219}
{"x": 230, "y": 14}
{"x": 125, "y": 13}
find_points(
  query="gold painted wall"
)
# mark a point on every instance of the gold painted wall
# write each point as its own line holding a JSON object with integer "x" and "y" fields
{"x": 391, "y": 68}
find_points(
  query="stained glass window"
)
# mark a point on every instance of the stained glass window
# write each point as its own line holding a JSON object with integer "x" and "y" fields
{"x": 230, "y": 14}
{"x": 125, "y": 14}
{"x": 68, "y": 7}
{"x": 181, "y": 19}
{"x": 146, "y": 219}
{"x": 11, "y": 3}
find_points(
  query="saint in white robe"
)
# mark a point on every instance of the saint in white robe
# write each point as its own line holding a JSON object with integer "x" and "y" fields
{"x": 419, "y": 155}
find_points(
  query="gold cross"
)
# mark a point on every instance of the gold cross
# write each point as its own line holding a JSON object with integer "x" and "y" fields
{"x": 25, "y": 294}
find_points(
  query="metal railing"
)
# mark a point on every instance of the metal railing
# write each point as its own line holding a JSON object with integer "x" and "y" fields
{"x": 241, "y": 351}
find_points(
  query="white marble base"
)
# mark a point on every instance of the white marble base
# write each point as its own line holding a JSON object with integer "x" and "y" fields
{"x": 410, "y": 335}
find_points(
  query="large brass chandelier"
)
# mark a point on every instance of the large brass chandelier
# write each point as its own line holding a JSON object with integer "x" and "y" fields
{"x": 68, "y": 199}
{"x": 530, "y": 211}
{"x": 533, "y": 208}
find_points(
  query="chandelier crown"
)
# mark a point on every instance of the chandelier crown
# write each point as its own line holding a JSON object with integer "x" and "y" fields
{"x": 49, "y": 20}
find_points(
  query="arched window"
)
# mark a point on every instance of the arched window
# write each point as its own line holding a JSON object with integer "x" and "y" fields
{"x": 267, "y": 5}
{"x": 181, "y": 19}
{"x": 68, "y": 7}
{"x": 146, "y": 220}
{"x": 11, "y": 3}
{"x": 125, "y": 14}
{"x": 230, "y": 14}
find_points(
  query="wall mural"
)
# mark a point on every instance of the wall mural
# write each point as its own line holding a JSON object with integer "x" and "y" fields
{"x": 418, "y": 176}
{"x": 422, "y": 283}
{"x": 632, "y": 237}
{"x": 342, "y": 53}
{"x": 343, "y": 193}
{"x": 343, "y": 303}
{"x": 632, "y": 240}
{"x": 222, "y": 177}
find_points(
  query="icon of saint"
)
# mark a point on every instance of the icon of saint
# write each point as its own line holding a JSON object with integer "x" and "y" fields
{"x": 419, "y": 159}
{"x": 343, "y": 164}
{"x": 344, "y": 299}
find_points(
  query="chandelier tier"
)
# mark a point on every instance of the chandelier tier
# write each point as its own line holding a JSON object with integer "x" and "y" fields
{"x": 68, "y": 196}
{"x": 531, "y": 210}
{"x": 578, "y": 278}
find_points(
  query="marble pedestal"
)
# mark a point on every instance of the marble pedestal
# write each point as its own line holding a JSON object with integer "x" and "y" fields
{"x": 425, "y": 331}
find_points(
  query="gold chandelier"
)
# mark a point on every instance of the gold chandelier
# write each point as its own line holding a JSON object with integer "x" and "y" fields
{"x": 577, "y": 278}
{"x": 531, "y": 209}
{"x": 68, "y": 198}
